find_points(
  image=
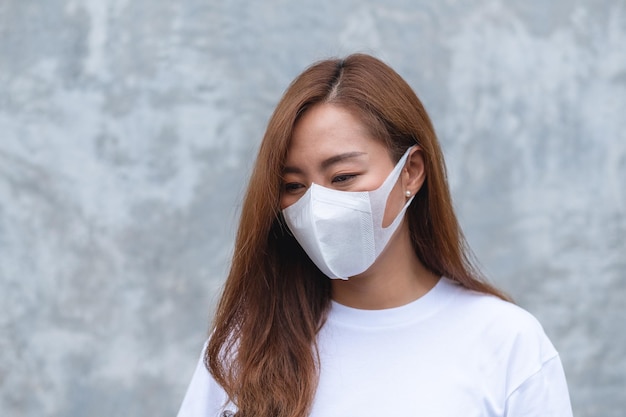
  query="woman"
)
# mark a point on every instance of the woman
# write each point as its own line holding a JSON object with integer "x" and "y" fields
{"x": 351, "y": 291}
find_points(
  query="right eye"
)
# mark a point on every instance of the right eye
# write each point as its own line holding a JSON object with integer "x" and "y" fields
{"x": 293, "y": 187}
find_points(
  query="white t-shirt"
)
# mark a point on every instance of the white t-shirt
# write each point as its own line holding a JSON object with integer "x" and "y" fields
{"x": 451, "y": 353}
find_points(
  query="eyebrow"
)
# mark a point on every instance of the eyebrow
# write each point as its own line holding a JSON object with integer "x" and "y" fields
{"x": 326, "y": 163}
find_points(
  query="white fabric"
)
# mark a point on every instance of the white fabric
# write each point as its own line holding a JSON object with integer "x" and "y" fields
{"x": 450, "y": 353}
{"x": 342, "y": 231}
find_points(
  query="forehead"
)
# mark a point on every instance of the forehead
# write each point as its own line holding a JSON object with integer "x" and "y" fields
{"x": 326, "y": 130}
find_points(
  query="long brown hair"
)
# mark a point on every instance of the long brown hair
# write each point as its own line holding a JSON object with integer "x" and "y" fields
{"x": 262, "y": 350}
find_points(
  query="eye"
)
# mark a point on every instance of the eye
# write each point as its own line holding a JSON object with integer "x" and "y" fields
{"x": 292, "y": 187}
{"x": 343, "y": 178}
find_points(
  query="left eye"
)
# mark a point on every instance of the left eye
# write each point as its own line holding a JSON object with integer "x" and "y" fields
{"x": 343, "y": 178}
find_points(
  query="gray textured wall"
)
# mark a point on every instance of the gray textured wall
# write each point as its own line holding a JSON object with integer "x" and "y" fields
{"x": 127, "y": 130}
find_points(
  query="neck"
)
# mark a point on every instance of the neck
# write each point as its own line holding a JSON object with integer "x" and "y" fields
{"x": 396, "y": 278}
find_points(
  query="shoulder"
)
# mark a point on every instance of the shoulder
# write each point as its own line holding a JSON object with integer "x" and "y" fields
{"x": 492, "y": 315}
{"x": 204, "y": 395}
{"x": 505, "y": 336}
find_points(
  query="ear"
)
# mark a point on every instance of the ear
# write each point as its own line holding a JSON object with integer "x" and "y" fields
{"x": 413, "y": 173}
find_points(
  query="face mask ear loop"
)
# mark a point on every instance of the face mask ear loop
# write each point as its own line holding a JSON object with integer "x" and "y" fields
{"x": 381, "y": 194}
{"x": 395, "y": 173}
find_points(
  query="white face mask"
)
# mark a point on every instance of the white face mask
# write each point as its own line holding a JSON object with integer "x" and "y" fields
{"x": 342, "y": 231}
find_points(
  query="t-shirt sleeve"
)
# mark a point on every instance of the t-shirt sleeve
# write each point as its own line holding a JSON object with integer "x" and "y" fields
{"x": 204, "y": 397}
{"x": 543, "y": 394}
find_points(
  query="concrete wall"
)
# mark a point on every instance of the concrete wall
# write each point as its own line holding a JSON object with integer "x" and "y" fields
{"x": 127, "y": 130}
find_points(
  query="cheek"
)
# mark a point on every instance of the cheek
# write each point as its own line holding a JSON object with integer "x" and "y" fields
{"x": 395, "y": 202}
{"x": 287, "y": 199}
{"x": 284, "y": 202}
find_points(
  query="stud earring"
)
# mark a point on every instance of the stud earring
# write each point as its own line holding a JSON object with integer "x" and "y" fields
{"x": 407, "y": 193}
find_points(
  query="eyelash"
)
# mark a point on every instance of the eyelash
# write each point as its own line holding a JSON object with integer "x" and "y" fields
{"x": 293, "y": 187}
{"x": 343, "y": 178}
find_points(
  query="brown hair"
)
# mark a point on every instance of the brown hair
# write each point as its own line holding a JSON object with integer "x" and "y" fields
{"x": 262, "y": 350}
